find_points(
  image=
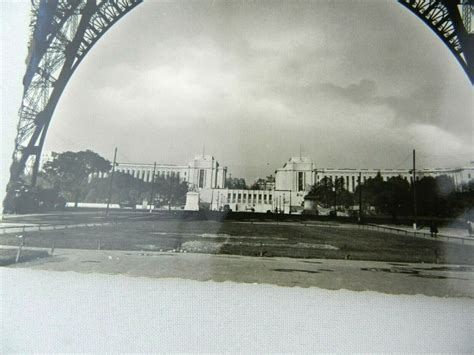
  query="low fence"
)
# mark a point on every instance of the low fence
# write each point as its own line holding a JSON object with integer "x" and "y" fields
{"x": 419, "y": 234}
{"x": 45, "y": 227}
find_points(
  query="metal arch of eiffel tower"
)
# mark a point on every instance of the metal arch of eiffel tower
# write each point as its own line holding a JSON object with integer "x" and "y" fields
{"x": 451, "y": 21}
{"x": 63, "y": 32}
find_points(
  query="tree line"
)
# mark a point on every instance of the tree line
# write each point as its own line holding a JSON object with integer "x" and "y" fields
{"x": 434, "y": 196}
{"x": 68, "y": 176}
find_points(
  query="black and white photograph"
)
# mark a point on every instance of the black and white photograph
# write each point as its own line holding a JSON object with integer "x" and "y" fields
{"x": 237, "y": 176}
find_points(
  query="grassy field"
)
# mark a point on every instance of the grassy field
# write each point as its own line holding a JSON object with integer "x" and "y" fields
{"x": 324, "y": 240}
{"x": 8, "y": 256}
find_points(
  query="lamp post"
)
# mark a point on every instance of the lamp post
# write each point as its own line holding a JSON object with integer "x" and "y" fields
{"x": 152, "y": 187}
{"x": 360, "y": 197}
{"x": 111, "y": 183}
{"x": 335, "y": 199}
{"x": 414, "y": 193}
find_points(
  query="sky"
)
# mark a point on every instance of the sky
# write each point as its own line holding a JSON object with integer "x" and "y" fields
{"x": 352, "y": 84}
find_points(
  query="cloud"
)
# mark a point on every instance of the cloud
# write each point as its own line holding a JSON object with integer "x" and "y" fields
{"x": 421, "y": 105}
{"x": 254, "y": 81}
{"x": 361, "y": 93}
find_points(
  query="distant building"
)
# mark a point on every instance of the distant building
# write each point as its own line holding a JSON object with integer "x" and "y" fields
{"x": 283, "y": 193}
{"x": 295, "y": 178}
{"x": 298, "y": 174}
{"x": 203, "y": 172}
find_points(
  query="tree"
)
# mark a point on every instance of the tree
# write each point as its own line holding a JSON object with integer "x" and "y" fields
{"x": 236, "y": 183}
{"x": 170, "y": 190}
{"x": 328, "y": 193}
{"x": 126, "y": 188}
{"x": 263, "y": 184}
{"x": 70, "y": 171}
{"x": 259, "y": 184}
{"x": 342, "y": 196}
{"x": 398, "y": 197}
{"x": 433, "y": 194}
{"x": 323, "y": 192}
{"x": 374, "y": 194}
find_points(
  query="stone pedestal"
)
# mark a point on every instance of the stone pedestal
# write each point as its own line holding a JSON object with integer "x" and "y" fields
{"x": 192, "y": 201}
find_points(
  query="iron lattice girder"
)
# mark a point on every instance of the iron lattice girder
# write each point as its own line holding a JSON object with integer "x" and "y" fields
{"x": 444, "y": 18}
{"x": 63, "y": 31}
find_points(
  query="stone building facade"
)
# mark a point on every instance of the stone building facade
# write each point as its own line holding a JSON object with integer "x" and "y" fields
{"x": 203, "y": 172}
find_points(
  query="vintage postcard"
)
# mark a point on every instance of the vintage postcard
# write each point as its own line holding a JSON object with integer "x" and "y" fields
{"x": 257, "y": 156}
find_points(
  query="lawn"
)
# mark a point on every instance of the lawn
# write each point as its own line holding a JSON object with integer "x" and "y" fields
{"x": 322, "y": 240}
{"x": 8, "y": 256}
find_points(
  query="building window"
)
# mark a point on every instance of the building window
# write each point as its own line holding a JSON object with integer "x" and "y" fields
{"x": 300, "y": 181}
{"x": 201, "y": 178}
{"x": 270, "y": 198}
{"x": 228, "y": 197}
{"x": 239, "y": 197}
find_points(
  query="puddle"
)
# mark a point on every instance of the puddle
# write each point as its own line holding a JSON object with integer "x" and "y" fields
{"x": 316, "y": 246}
{"x": 393, "y": 270}
{"x": 439, "y": 277}
{"x": 217, "y": 235}
{"x": 296, "y": 270}
{"x": 417, "y": 272}
{"x": 397, "y": 264}
{"x": 450, "y": 268}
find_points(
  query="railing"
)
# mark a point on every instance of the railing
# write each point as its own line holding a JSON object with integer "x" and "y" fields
{"x": 44, "y": 227}
{"x": 17, "y": 229}
{"x": 419, "y": 234}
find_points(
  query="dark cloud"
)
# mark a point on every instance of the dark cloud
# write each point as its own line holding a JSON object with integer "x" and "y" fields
{"x": 420, "y": 106}
{"x": 361, "y": 93}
